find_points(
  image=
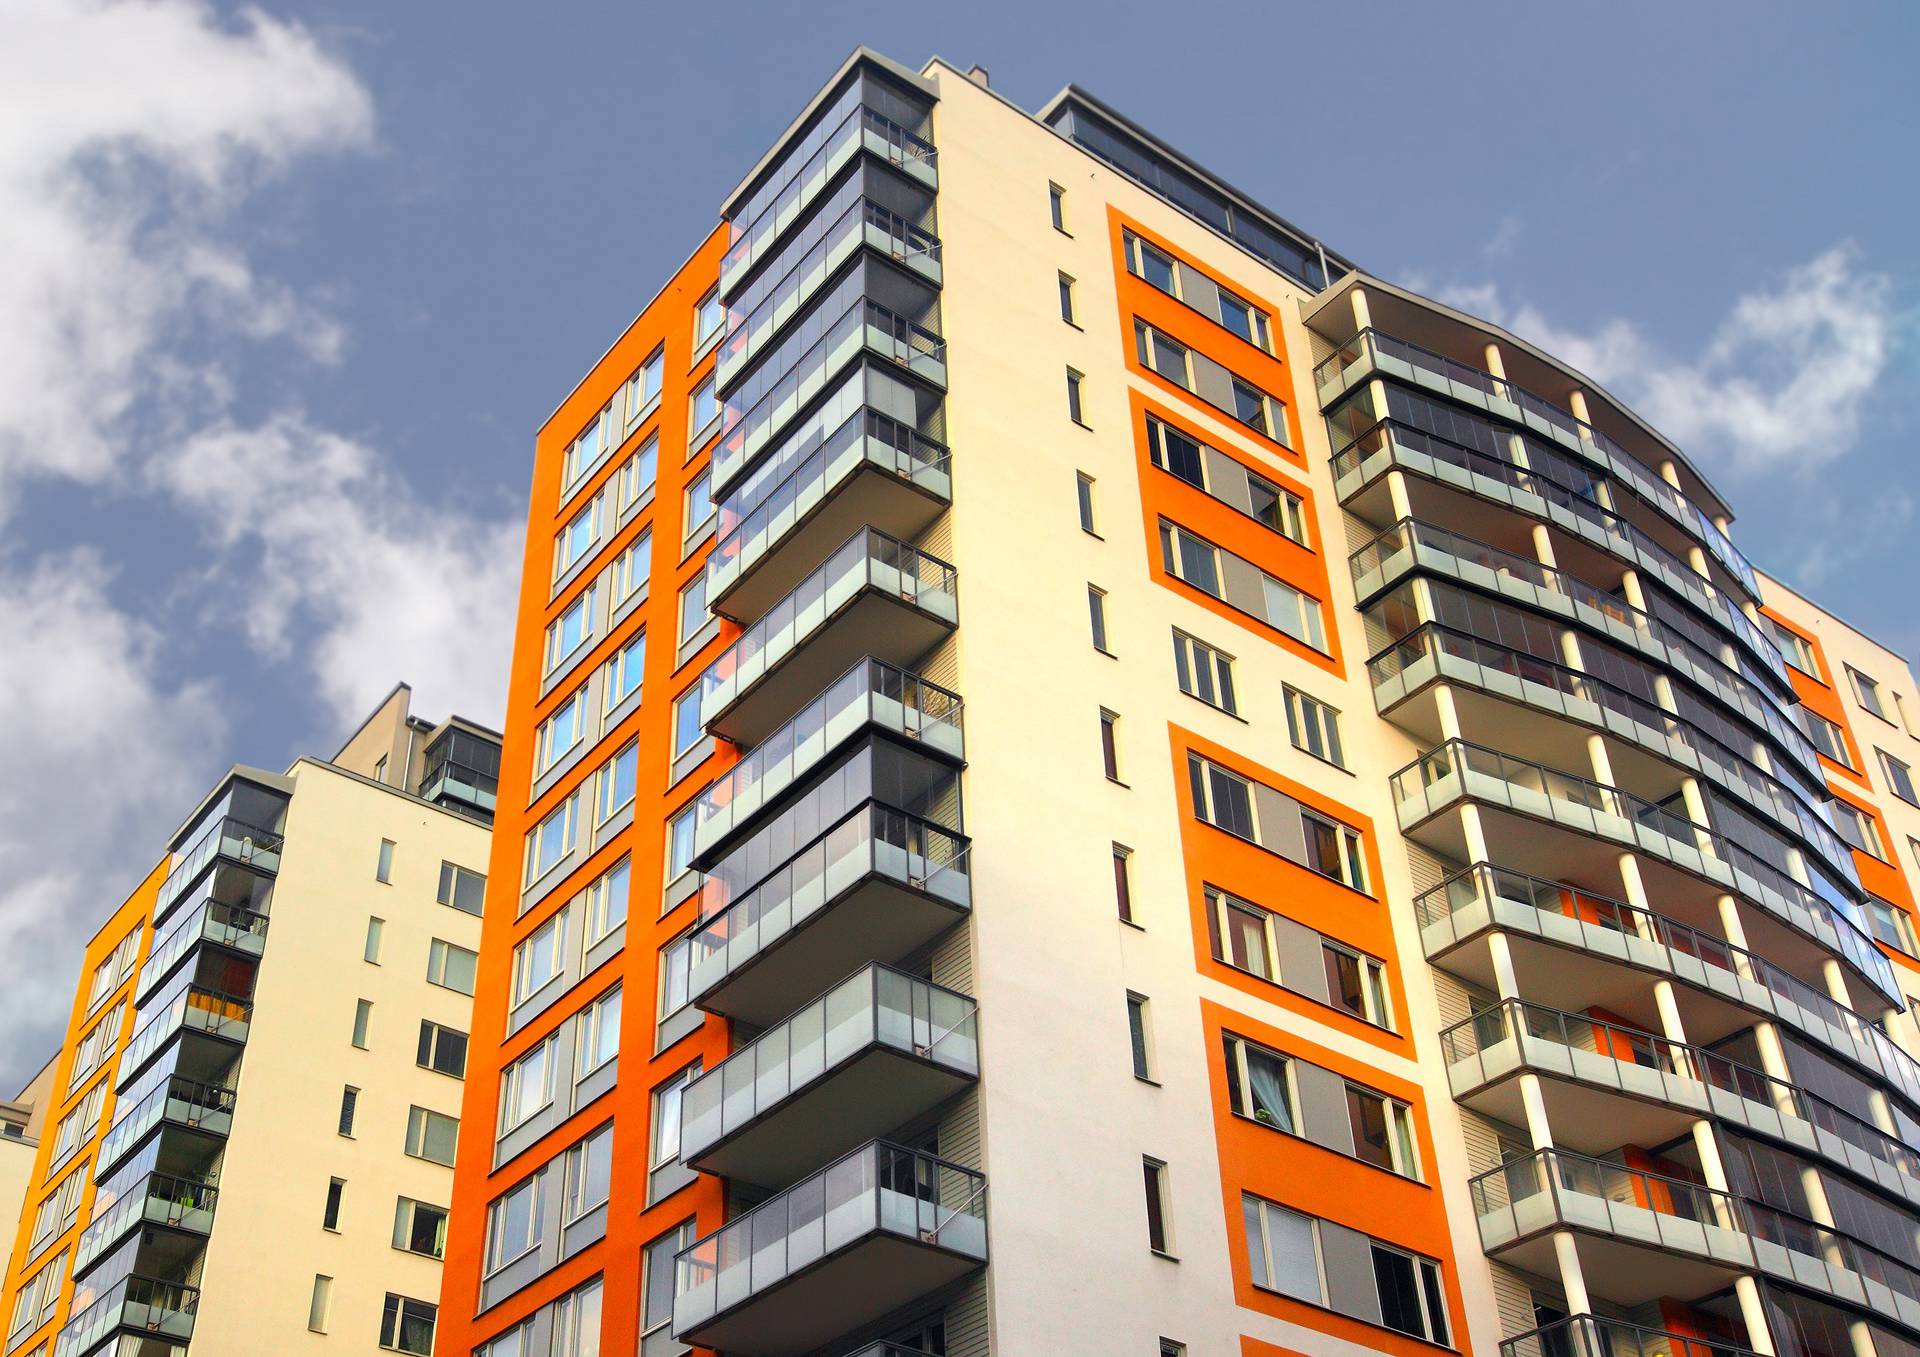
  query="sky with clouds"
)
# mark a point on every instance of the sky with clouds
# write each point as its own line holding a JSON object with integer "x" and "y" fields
{"x": 285, "y": 291}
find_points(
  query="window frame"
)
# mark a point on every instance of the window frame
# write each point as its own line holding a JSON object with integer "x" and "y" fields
{"x": 1324, "y": 726}
{"x": 1193, "y": 656}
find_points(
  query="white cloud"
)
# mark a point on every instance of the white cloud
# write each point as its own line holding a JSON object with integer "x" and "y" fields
{"x": 1781, "y": 385}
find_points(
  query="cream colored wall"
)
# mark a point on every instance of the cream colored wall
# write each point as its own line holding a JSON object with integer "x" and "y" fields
{"x": 1065, "y": 1122}
{"x": 16, "y": 1174}
{"x": 268, "y": 1241}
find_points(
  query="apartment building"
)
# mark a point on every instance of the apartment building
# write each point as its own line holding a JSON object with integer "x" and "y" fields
{"x": 21, "y": 1119}
{"x": 254, "y": 1112}
{"x": 1083, "y": 775}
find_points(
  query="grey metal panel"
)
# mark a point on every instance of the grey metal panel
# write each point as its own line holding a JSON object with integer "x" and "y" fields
{"x": 1280, "y": 828}
{"x": 574, "y": 571}
{"x": 621, "y": 819}
{"x": 679, "y": 889}
{"x": 1346, "y": 1256}
{"x": 1211, "y": 382}
{"x": 1200, "y": 292}
{"x": 572, "y": 757}
{"x": 691, "y": 760}
{"x": 626, "y": 606}
{"x": 1323, "y": 1107}
{"x": 513, "y": 1276}
{"x": 596, "y": 1084}
{"x": 602, "y": 604}
{"x": 668, "y": 1179}
{"x": 543, "y": 998}
{"x": 562, "y": 869}
{"x": 589, "y": 1229}
{"x": 662, "y": 1343}
{"x": 1242, "y": 584}
{"x": 628, "y": 704}
{"x": 677, "y": 1027}
{"x": 1226, "y": 479}
{"x": 628, "y": 514}
{"x": 604, "y": 950}
{"x": 691, "y": 646}
{"x": 1302, "y": 967}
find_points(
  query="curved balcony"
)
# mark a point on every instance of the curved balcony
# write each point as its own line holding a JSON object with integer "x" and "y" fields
{"x": 877, "y": 886}
{"x": 227, "y": 840}
{"x": 159, "y": 1199}
{"x": 138, "y": 1305}
{"x": 194, "y": 1009}
{"x": 1457, "y": 773}
{"x": 876, "y": 1231}
{"x": 871, "y": 694}
{"x": 232, "y": 928}
{"x": 875, "y": 596}
{"x": 1595, "y": 1336}
{"x": 1833, "y": 1264}
{"x": 1640, "y": 1235}
{"x": 177, "y": 1101}
{"x": 871, "y": 1054}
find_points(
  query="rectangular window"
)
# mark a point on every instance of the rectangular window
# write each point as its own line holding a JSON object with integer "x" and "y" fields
{"x": 1293, "y": 612}
{"x": 1253, "y": 408}
{"x": 571, "y": 630}
{"x": 1868, "y": 691}
{"x": 1083, "y": 490}
{"x": 317, "y": 1306}
{"x": 576, "y": 1322}
{"x": 698, "y": 509}
{"x": 1151, "y": 263}
{"x": 513, "y": 1223}
{"x": 407, "y": 1325}
{"x": 441, "y": 1049}
{"x": 666, "y": 1115}
{"x": 1074, "y": 383}
{"x": 1110, "y": 744}
{"x": 330, "y": 1215}
{"x": 1159, "y": 1229}
{"x": 1357, "y": 983}
{"x": 1281, "y": 510}
{"x": 589, "y": 448}
{"x": 599, "y": 1038}
{"x": 589, "y": 1173}
{"x": 638, "y": 472}
{"x": 1858, "y": 828}
{"x": 1824, "y": 735}
{"x": 1066, "y": 299}
{"x": 432, "y": 1135}
{"x": 1411, "y": 1299}
{"x": 560, "y": 733}
{"x": 618, "y": 779}
{"x": 1057, "y": 207}
{"x": 1245, "y": 319}
{"x": 463, "y": 889}
{"x": 1097, "y": 615}
{"x": 1139, "y": 1036}
{"x": 380, "y": 770}
{"x": 1334, "y": 850}
{"x": 1283, "y": 1249}
{"x": 1123, "y": 882}
{"x": 1899, "y": 778}
{"x": 551, "y": 840}
{"x": 451, "y": 966}
{"x": 1162, "y": 354}
{"x": 573, "y": 542}
{"x": 1204, "y": 672}
{"x": 687, "y": 726}
{"x": 680, "y": 842}
{"x": 1222, "y": 799}
{"x": 539, "y": 957}
{"x": 1190, "y": 559}
{"x": 693, "y": 607}
{"x": 349, "y": 1104}
{"x": 1891, "y": 925}
{"x": 1176, "y": 453}
{"x": 384, "y": 870}
{"x": 626, "y": 670}
{"x": 709, "y": 318}
{"x": 631, "y": 568}
{"x": 1260, "y": 1084}
{"x": 676, "y": 975}
{"x": 1382, "y": 1131}
{"x": 1794, "y": 646}
{"x": 657, "y": 1276}
{"x": 526, "y": 1085}
{"x": 643, "y": 388}
{"x": 362, "y": 1018}
{"x": 1313, "y": 726}
{"x": 420, "y": 1228}
{"x": 1242, "y": 934}
{"x": 607, "y": 901}
{"x": 703, "y": 409}
{"x": 374, "y": 929}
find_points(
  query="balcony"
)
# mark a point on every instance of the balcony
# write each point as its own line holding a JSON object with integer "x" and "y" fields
{"x": 871, "y": 694}
{"x": 877, "y": 886}
{"x": 194, "y": 1009}
{"x": 878, "y": 1230}
{"x": 228, "y": 840}
{"x": 1593, "y": 1336}
{"x": 459, "y": 787}
{"x": 1641, "y": 1235}
{"x": 137, "y": 1305}
{"x": 161, "y": 1199}
{"x": 233, "y": 928}
{"x": 175, "y": 1101}
{"x": 864, "y": 1059}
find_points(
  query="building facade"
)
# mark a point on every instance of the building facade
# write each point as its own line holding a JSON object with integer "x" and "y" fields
{"x": 259, "y": 1095}
{"x": 1082, "y": 775}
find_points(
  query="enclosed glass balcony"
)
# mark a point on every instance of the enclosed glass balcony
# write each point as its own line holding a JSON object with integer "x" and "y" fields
{"x": 157, "y": 1199}
{"x": 871, "y": 694}
{"x": 227, "y": 840}
{"x": 877, "y": 886}
{"x": 177, "y": 1101}
{"x": 877, "y": 1050}
{"x": 193, "y": 1009}
{"x": 1594, "y": 1336}
{"x": 139, "y": 1305}
{"x": 876, "y": 1231}
{"x": 233, "y": 927}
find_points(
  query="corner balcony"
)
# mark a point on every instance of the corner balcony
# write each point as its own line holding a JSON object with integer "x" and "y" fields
{"x": 176, "y": 1101}
{"x": 1640, "y": 1235}
{"x": 875, "y": 596}
{"x": 867, "y": 1057}
{"x": 163, "y": 1200}
{"x": 231, "y": 928}
{"x": 228, "y": 840}
{"x": 195, "y": 1009}
{"x": 1594, "y": 1336}
{"x": 877, "y": 886}
{"x": 872, "y": 694}
{"x": 880, "y": 1229}
{"x": 142, "y": 1307}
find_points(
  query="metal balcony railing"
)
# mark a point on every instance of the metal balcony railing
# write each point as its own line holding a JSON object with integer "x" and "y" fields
{"x": 1593, "y": 1336}
{"x": 235, "y": 840}
{"x": 137, "y": 1304}
{"x": 232, "y": 926}
{"x": 157, "y": 1199}
{"x": 178, "y": 1099}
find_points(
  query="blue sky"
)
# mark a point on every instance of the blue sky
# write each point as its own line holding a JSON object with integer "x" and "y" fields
{"x": 288, "y": 291}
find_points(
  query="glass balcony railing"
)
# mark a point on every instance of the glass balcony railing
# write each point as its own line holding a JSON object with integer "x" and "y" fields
{"x": 234, "y": 927}
{"x": 875, "y": 1009}
{"x": 1552, "y": 1189}
{"x": 872, "y": 693}
{"x": 875, "y": 843}
{"x": 177, "y": 1100}
{"x": 807, "y": 1247}
{"x": 1457, "y": 771}
{"x": 1593, "y": 1336}
{"x": 157, "y": 1199}
{"x": 136, "y": 1304}
{"x": 1829, "y": 1261}
{"x": 194, "y": 1009}
{"x": 233, "y": 840}
{"x": 458, "y": 782}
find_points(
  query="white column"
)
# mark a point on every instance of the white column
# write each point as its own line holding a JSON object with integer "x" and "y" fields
{"x": 1362, "y": 316}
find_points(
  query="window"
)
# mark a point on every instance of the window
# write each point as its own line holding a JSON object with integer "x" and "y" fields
{"x": 1900, "y": 778}
{"x": 1868, "y": 691}
{"x": 362, "y": 1017}
{"x": 559, "y": 733}
{"x": 703, "y": 410}
{"x": 599, "y": 1039}
{"x": 1357, "y": 983}
{"x": 1293, "y": 612}
{"x": 1083, "y": 489}
{"x": 589, "y": 1171}
{"x": 349, "y": 1103}
{"x": 632, "y": 566}
{"x": 1857, "y": 827}
{"x": 380, "y": 770}
{"x": 589, "y": 447}
{"x": 1245, "y": 319}
{"x": 607, "y": 901}
{"x": 666, "y": 1115}
{"x": 637, "y": 473}
{"x": 709, "y": 318}
{"x": 1138, "y": 1037}
{"x": 407, "y": 1325}
{"x": 1260, "y": 1084}
{"x": 1169, "y": 1348}
{"x": 1151, "y": 263}
{"x": 539, "y": 957}
{"x": 513, "y": 1223}
{"x": 1204, "y": 672}
{"x": 1123, "y": 882}
{"x": 1175, "y": 453}
{"x": 680, "y": 842}
{"x": 1242, "y": 934}
{"x": 1097, "y": 615}
{"x": 1074, "y": 381}
{"x": 374, "y": 929}
{"x": 550, "y": 840}
{"x": 464, "y": 890}
{"x": 1283, "y": 1249}
{"x": 1066, "y": 300}
{"x": 432, "y": 1135}
{"x": 317, "y": 1306}
{"x": 699, "y": 509}
{"x": 1891, "y": 925}
{"x": 330, "y": 1216}
{"x": 1250, "y": 408}
{"x": 1333, "y": 850}
{"x": 1825, "y": 736}
{"x": 441, "y": 1049}
{"x": 643, "y": 388}
{"x": 657, "y": 1278}
{"x": 1313, "y": 726}
{"x": 451, "y": 966}
{"x": 384, "y": 870}
{"x": 576, "y": 1322}
{"x": 1222, "y": 799}
{"x": 1382, "y": 1131}
{"x": 1162, "y": 354}
{"x": 573, "y": 542}
{"x": 626, "y": 670}
{"x": 1279, "y": 509}
{"x": 1057, "y": 206}
{"x": 569, "y": 631}
{"x": 618, "y": 779}
{"x": 420, "y": 1228}
{"x": 526, "y": 1085}
{"x": 1795, "y": 647}
{"x": 687, "y": 726}
{"x": 693, "y": 607}
{"x": 1158, "y": 1236}
{"x": 1189, "y": 558}
{"x": 676, "y": 975}
{"x": 1110, "y": 744}
{"x": 1411, "y": 1301}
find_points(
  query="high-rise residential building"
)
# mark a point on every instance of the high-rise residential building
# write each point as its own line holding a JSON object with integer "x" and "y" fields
{"x": 254, "y": 1112}
{"x": 1084, "y": 776}
{"x": 21, "y": 1119}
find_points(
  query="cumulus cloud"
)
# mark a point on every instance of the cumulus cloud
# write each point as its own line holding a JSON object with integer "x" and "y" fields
{"x": 1780, "y": 386}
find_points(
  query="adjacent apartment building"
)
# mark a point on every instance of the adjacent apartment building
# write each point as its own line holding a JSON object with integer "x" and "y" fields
{"x": 1084, "y": 776}
{"x": 252, "y": 1119}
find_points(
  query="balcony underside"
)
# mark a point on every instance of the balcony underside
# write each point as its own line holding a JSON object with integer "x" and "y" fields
{"x": 860, "y": 1100}
{"x": 1627, "y": 1271}
{"x": 1584, "y": 1118}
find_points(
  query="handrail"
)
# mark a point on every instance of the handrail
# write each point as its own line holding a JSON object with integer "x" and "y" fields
{"x": 107, "y": 1312}
{"x": 1597, "y": 1336}
{"x": 239, "y": 921}
{"x": 255, "y": 846}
